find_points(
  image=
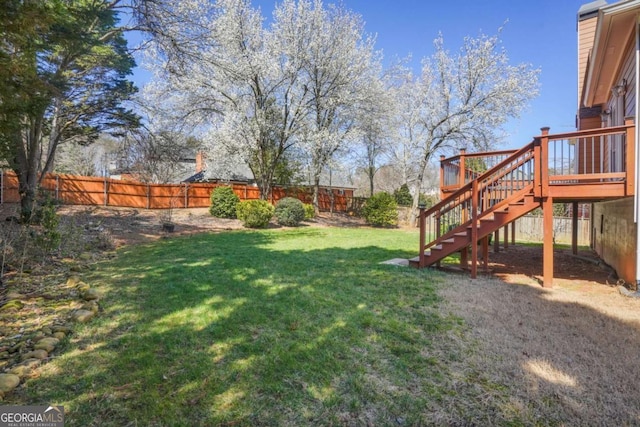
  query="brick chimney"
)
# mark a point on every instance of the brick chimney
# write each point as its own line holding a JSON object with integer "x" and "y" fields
{"x": 200, "y": 162}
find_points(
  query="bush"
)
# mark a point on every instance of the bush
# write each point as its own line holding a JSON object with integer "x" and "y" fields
{"x": 403, "y": 196}
{"x": 289, "y": 212}
{"x": 309, "y": 211}
{"x": 381, "y": 210}
{"x": 254, "y": 213}
{"x": 223, "y": 202}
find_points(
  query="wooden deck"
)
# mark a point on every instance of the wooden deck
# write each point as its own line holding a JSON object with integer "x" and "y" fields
{"x": 484, "y": 192}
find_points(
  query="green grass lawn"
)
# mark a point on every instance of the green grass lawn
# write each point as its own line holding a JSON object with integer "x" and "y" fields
{"x": 275, "y": 327}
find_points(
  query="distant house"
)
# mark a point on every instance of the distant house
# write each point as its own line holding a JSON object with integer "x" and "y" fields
{"x": 597, "y": 164}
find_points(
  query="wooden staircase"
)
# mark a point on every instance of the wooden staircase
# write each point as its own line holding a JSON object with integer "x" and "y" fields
{"x": 489, "y": 201}
{"x": 461, "y": 236}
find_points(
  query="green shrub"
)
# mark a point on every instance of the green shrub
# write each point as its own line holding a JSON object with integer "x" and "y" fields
{"x": 48, "y": 238}
{"x": 309, "y": 211}
{"x": 254, "y": 213}
{"x": 381, "y": 210}
{"x": 428, "y": 200}
{"x": 223, "y": 202}
{"x": 403, "y": 196}
{"x": 289, "y": 212}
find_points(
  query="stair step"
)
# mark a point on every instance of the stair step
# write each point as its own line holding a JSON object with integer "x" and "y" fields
{"x": 461, "y": 234}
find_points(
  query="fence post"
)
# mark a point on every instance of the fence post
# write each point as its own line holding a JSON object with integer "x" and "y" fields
{"x": 148, "y": 196}
{"x": 105, "y": 191}
{"x": 186, "y": 195}
{"x": 58, "y": 187}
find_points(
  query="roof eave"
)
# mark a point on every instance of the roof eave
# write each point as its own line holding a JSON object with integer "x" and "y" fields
{"x": 599, "y": 57}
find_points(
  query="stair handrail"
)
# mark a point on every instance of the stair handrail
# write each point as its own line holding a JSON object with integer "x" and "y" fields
{"x": 489, "y": 172}
{"x": 476, "y": 184}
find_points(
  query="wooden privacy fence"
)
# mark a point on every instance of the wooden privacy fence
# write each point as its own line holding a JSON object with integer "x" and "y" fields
{"x": 529, "y": 228}
{"x": 95, "y": 191}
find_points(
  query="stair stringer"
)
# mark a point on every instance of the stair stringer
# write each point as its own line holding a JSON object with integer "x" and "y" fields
{"x": 500, "y": 215}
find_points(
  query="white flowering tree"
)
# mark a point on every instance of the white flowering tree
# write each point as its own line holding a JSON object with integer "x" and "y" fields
{"x": 463, "y": 100}
{"x": 338, "y": 66}
{"x": 222, "y": 70}
{"x": 376, "y": 128}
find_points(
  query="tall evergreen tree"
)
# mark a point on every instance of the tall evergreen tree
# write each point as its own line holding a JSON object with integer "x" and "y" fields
{"x": 63, "y": 69}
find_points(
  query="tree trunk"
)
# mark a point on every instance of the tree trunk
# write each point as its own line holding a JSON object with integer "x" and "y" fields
{"x": 371, "y": 173}
{"x": 316, "y": 193}
{"x": 416, "y": 190}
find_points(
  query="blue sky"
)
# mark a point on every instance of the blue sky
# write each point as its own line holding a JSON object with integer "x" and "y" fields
{"x": 540, "y": 32}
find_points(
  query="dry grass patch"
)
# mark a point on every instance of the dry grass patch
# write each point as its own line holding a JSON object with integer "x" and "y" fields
{"x": 568, "y": 356}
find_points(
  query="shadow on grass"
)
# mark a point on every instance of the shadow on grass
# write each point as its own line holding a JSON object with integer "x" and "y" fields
{"x": 249, "y": 328}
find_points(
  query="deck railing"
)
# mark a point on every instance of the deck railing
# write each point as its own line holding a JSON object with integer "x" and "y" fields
{"x": 465, "y": 167}
{"x": 596, "y": 155}
{"x": 593, "y": 155}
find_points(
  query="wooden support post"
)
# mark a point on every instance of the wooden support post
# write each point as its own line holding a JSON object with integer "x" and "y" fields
{"x": 441, "y": 176}
{"x": 537, "y": 185}
{"x": 463, "y": 169}
{"x": 544, "y": 161}
{"x": 506, "y": 237}
{"x": 630, "y": 150}
{"x": 496, "y": 241}
{"x": 513, "y": 233}
{"x": 547, "y": 248}
{"x": 574, "y": 228}
{"x": 485, "y": 253}
{"x": 438, "y": 231}
{"x": 464, "y": 258}
{"x": 474, "y": 229}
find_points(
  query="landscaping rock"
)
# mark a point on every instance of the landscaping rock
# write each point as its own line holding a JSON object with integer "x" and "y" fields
{"x": 92, "y": 306}
{"x": 90, "y": 295}
{"x": 82, "y": 287}
{"x": 20, "y": 370}
{"x": 30, "y": 363}
{"x": 83, "y": 316}
{"x": 13, "y": 305}
{"x": 17, "y": 347}
{"x": 73, "y": 280}
{"x": 62, "y": 328}
{"x": 8, "y": 382}
{"x": 47, "y": 330}
{"x": 4, "y": 355}
{"x": 11, "y": 295}
{"x": 47, "y": 344}
{"x": 36, "y": 354}
{"x": 59, "y": 335}
{"x": 38, "y": 336}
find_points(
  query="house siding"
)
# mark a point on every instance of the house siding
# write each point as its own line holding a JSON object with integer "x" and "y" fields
{"x": 614, "y": 236}
{"x": 586, "y": 34}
